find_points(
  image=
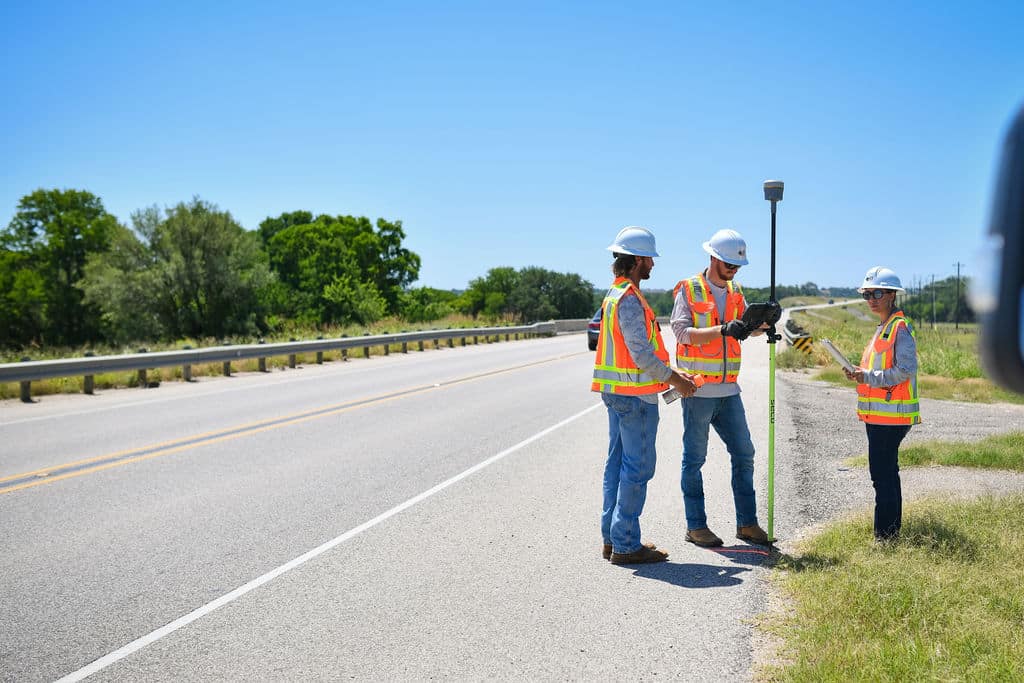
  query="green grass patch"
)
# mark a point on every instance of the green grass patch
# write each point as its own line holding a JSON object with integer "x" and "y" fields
{"x": 948, "y": 363}
{"x": 1001, "y": 452}
{"x": 942, "y": 603}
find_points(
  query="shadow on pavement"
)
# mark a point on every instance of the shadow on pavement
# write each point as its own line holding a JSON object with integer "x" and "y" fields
{"x": 744, "y": 554}
{"x": 691, "y": 575}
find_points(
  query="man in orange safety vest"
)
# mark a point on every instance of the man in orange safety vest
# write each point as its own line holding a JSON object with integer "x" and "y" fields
{"x": 630, "y": 369}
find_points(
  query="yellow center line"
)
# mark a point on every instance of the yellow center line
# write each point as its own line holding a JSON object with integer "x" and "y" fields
{"x": 56, "y": 473}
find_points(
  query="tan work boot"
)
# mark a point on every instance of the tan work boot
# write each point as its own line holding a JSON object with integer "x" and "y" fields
{"x": 606, "y": 549}
{"x": 752, "y": 534}
{"x": 642, "y": 556}
{"x": 705, "y": 538}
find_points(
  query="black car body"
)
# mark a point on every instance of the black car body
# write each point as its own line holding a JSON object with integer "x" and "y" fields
{"x": 594, "y": 330}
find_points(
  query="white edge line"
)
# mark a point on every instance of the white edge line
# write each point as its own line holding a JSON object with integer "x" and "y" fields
{"x": 200, "y": 612}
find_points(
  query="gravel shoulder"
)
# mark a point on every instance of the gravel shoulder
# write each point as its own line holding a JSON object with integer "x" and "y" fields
{"x": 818, "y": 430}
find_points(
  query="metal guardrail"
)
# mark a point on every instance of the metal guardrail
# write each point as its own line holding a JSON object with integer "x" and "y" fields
{"x": 27, "y": 372}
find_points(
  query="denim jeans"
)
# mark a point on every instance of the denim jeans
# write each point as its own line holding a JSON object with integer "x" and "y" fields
{"x": 726, "y": 415}
{"x": 883, "y": 463}
{"x": 632, "y": 429}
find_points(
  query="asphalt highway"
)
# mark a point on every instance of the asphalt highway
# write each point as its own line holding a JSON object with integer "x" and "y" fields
{"x": 430, "y": 515}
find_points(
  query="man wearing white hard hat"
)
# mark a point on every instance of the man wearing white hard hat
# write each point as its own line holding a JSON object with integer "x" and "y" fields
{"x": 887, "y": 398}
{"x": 706, "y": 320}
{"x": 630, "y": 369}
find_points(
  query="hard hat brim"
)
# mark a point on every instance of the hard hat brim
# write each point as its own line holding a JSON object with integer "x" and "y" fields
{"x": 632, "y": 252}
{"x": 711, "y": 250}
{"x": 898, "y": 290}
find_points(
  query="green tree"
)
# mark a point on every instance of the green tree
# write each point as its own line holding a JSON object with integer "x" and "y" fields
{"x": 423, "y": 304}
{"x": 56, "y": 231}
{"x": 124, "y": 283}
{"x": 22, "y": 300}
{"x": 196, "y": 272}
{"x": 272, "y": 226}
{"x": 542, "y": 294}
{"x": 489, "y": 295}
{"x": 314, "y": 260}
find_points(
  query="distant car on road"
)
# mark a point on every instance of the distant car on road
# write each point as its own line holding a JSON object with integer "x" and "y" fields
{"x": 594, "y": 329}
{"x": 831, "y": 301}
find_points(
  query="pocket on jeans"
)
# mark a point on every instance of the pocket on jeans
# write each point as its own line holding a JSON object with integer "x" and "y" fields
{"x": 622, "y": 405}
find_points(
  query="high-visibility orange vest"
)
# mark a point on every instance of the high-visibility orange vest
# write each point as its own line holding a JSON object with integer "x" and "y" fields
{"x": 717, "y": 360}
{"x": 896, "y": 405}
{"x": 615, "y": 372}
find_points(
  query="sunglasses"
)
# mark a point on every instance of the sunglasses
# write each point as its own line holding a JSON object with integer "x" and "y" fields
{"x": 875, "y": 294}
{"x": 729, "y": 266}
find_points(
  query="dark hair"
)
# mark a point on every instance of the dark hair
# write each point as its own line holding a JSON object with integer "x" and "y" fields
{"x": 623, "y": 264}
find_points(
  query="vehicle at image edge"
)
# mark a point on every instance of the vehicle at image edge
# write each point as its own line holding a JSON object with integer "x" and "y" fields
{"x": 594, "y": 329}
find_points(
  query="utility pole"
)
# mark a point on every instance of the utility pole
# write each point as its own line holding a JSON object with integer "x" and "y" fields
{"x": 957, "y": 314}
{"x": 933, "y": 301}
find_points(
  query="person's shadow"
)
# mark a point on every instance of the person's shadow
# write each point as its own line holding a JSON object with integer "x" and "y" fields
{"x": 692, "y": 575}
{"x": 688, "y": 575}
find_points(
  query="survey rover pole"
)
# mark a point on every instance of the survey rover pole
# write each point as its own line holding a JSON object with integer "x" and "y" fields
{"x": 772, "y": 193}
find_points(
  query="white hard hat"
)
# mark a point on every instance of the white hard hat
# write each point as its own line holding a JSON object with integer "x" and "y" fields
{"x": 635, "y": 241}
{"x": 728, "y": 245}
{"x": 880, "y": 277}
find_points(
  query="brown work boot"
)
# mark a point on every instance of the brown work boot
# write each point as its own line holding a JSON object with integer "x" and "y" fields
{"x": 606, "y": 549}
{"x": 752, "y": 534}
{"x": 642, "y": 556}
{"x": 705, "y": 537}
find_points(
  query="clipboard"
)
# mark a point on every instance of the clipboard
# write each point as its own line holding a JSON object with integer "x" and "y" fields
{"x": 837, "y": 354}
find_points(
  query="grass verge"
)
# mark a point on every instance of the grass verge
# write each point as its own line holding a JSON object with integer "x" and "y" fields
{"x": 943, "y": 603}
{"x": 1002, "y": 451}
{"x": 949, "y": 367}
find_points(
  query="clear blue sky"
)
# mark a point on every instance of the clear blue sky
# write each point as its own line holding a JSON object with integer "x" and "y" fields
{"x": 528, "y": 133}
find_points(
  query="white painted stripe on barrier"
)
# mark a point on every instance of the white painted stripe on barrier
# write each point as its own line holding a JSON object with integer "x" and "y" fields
{"x": 150, "y": 638}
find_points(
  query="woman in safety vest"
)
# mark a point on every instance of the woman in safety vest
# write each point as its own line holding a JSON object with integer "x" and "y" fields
{"x": 887, "y": 400}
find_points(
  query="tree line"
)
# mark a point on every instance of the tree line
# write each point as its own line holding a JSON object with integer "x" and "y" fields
{"x": 71, "y": 274}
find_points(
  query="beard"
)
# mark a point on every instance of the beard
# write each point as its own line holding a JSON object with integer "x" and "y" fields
{"x": 724, "y": 273}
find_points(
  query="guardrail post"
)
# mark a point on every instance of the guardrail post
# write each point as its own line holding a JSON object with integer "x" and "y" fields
{"x": 88, "y": 381}
{"x": 143, "y": 381}
{"x": 462, "y": 340}
{"x": 227, "y": 368}
{"x": 451, "y": 342}
{"x": 186, "y": 370}
{"x": 387, "y": 349}
{"x": 291, "y": 356}
{"x": 26, "y": 387}
{"x": 366, "y": 352}
{"x": 506, "y": 336}
{"x": 421, "y": 344}
{"x": 405, "y": 347}
{"x": 344, "y": 354}
{"x": 320, "y": 354}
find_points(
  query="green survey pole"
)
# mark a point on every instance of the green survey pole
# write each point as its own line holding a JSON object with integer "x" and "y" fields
{"x": 772, "y": 193}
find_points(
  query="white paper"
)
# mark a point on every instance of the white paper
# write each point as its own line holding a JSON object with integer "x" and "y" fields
{"x": 840, "y": 358}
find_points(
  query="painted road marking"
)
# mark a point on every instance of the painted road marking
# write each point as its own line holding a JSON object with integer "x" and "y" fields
{"x": 187, "y": 619}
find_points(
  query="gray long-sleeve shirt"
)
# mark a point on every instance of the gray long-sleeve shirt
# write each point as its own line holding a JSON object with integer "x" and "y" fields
{"x": 904, "y": 365}
{"x": 632, "y": 322}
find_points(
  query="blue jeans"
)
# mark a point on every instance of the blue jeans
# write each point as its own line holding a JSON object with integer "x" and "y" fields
{"x": 632, "y": 430}
{"x": 883, "y": 463}
{"x": 726, "y": 415}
